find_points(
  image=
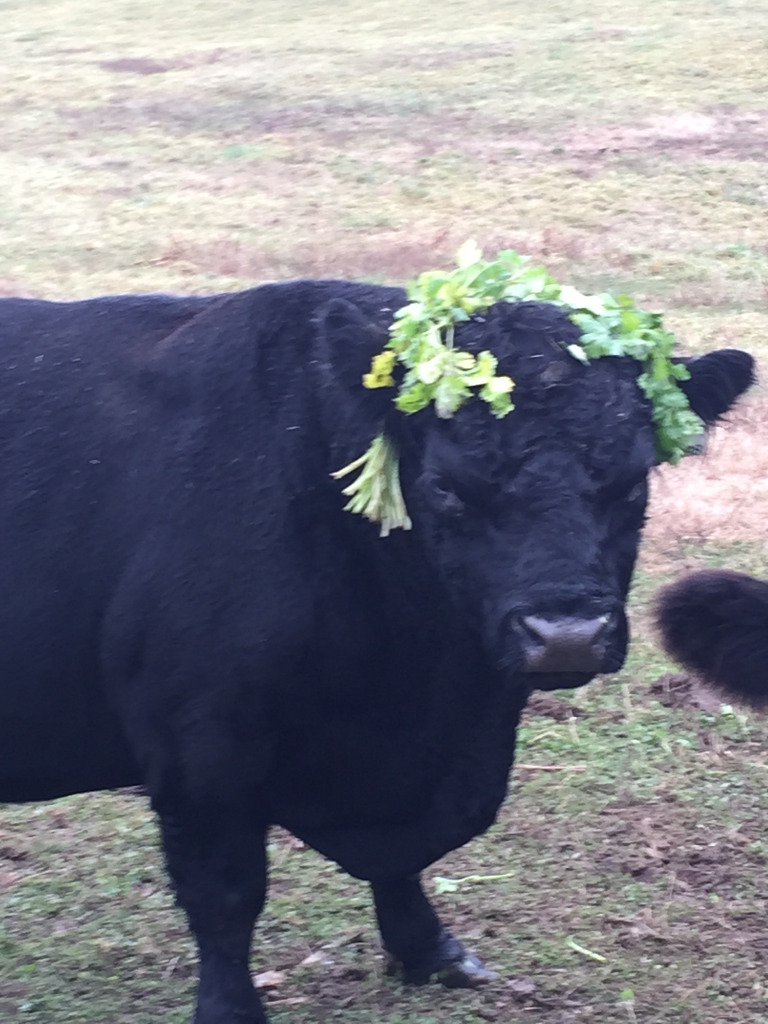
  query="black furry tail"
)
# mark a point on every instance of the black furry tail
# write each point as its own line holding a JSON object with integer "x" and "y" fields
{"x": 715, "y": 623}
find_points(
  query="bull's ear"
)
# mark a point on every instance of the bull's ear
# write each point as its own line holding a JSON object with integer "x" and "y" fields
{"x": 349, "y": 339}
{"x": 717, "y": 380}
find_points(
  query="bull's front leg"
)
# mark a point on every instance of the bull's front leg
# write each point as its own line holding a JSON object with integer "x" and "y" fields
{"x": 217, "y": 860}
{"x": 419, "y": 946}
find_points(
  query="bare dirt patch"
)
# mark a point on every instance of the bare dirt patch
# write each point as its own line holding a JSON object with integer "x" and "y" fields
{"x": 153, "y": 66}
{"x": 376, "y": 254}
{"x": 684, "y": 135}
{"x": 388, "y": 257}
{"x": 135, "y": 66}
{"x": 11, "y": 288}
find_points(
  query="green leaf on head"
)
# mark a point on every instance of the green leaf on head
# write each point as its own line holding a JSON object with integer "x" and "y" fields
{"x": 436, "y": 373}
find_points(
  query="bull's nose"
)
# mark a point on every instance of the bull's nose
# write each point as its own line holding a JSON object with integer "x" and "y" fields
{"x": 564, "y": 644}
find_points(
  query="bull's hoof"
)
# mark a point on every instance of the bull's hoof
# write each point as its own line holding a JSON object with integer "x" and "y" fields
{"x": 470, "y": 972}
{"x": 451, "y": 965}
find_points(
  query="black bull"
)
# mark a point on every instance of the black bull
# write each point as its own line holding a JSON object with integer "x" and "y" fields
{"x": 184, "y": 605}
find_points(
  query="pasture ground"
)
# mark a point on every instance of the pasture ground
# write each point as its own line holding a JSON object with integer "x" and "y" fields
{"x": 203, "y": 147}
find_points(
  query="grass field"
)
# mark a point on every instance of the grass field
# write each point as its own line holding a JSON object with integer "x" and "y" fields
{"x": 202, "y": 147}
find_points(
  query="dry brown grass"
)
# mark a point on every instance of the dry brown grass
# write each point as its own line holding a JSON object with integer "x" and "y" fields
{"x": 721, "y": 496}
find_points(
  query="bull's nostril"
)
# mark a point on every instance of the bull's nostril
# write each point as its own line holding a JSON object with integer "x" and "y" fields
{"x": 566, "y": 644}
{"x": 569, "y": 630}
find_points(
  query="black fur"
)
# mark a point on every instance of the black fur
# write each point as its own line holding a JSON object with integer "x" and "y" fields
{"x": 715, "y": 623}
{"x": 728, "y": 373}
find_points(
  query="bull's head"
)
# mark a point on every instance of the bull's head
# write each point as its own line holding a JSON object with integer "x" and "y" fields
{"x": 529, "y": 522}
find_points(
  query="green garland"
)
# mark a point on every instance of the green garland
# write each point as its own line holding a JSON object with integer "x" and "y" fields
{"x": 421, "y": 340}
{"x": 376, "y": 492}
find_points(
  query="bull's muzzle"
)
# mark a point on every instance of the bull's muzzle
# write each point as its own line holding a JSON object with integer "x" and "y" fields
{"x": 565, "y": 644}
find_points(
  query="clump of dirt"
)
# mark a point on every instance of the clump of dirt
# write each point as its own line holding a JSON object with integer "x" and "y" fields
{"x": 547, "y": 706}
{"x": 675, "y": 690}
